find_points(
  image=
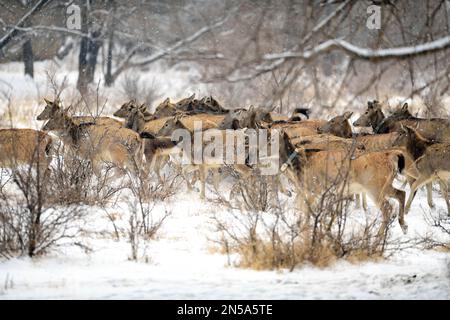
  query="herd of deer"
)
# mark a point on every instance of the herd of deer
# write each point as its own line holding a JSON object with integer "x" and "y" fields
{"x": 314, "y": 154}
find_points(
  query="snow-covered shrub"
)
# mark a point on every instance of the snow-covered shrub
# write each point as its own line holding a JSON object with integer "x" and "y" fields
{"x": 30, "y": 221}
{"x": 268, "y": 231}
{"x": 74, "y": 182}
{"x": 144, "y": 221}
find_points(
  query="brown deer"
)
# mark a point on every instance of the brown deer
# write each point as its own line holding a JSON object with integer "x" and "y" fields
{"x": 126, "y": 108}
{"x": 53, "y": 107}
{"x": 165, "y": 109}
{"x": 371, "y": 173}
{"x": 205, "y": 167}
{"x": 99, "y": 143}
{"x": 434, "y": 129}
{"x": 326, "y": 142}
{"x": 25, "y": 147}
{"x": 156, "y": 149}
{"x": 338, "y": 126}
{"x": 431, "y": 160}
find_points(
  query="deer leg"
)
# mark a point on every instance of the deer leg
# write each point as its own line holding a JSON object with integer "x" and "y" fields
{"x": 152, "y": 165}
{"x": 386, "y": 210}
{"x": 159, "y": 166}
{"x": 184, "y": 173}
{"x": 216, "y": 179}
{"x": 364, "y": 201}
{"x": 202, "y": 181}
{"x": 444, "y": 191}
{"x": 416, "y": 185}
{"x": 400, "y": 196}
{"x": 430, "y": 195}
{"x": 357, "y": 201}
{"x": 96, "y": 167}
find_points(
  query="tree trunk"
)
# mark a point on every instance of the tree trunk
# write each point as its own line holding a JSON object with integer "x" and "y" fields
{"x": 89, "y": 47}
{"x": 109, "y": 79}
{"x": 28, "y": 57}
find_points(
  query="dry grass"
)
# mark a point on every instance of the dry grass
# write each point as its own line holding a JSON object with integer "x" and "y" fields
{"x": 266, "y": 232}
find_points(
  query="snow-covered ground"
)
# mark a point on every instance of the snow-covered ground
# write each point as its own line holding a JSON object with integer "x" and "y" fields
{"x": 182, "y": 261}
{"x": 182, "y": 265}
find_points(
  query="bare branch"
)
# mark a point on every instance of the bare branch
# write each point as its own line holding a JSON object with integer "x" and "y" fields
{"x": 13, "y": 32}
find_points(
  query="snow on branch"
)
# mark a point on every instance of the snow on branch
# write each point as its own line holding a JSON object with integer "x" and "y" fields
{"x": 13, "y": 32}
{"x": 73, "y": 32}
{"x": 263, "y": 68}
{"x": 181, "y": 43}
{"x": 365, "y": 53}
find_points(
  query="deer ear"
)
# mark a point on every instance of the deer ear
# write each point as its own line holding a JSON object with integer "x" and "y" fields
{"x": 47, "y": 101}
{"x": 348, "y": 114}
{"x": 405, "y": 106}
{"x": 192, "y": 97}
{"x": 167, "y": 100}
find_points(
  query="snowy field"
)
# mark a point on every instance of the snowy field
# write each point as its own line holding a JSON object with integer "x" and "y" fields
{"x": 183, "y": 263}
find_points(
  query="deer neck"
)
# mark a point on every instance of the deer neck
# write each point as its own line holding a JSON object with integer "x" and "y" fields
{"x": 377, "y": 120}
{"x": 417, "y": 147}
{"x": 136, "y": 123}
{"x": 73, "y": 131}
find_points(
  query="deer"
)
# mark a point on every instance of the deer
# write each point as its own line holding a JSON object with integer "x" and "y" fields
{"x": 240, "y": 118}
{"x": 25, "y": 147}
{"x": 156, "y": 149}
{"x": 326, "y": 142}
{"x": 213, "y": 105}
{"x": 431, "y": 160}
{"x": 371, "y": 173}
{"x": 251, "y": 118}
{"x": 434, "y": 129}
{"x": 99, "y": 143}
{"x": 207, "y": 105}
{"x": 126, "y": 108}
{"x": 337, "y": 126}
{"x": 373, "y": 143}
{"x": 206, "y": 166}
{"x": 53, "y": 107}
{"x": 165, "y": 109}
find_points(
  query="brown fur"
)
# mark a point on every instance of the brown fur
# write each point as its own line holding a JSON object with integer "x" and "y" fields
{"x": 24, "y": 147}
{"x": 370, "y": 173}
{"x": 165, "y": 109}
{"x": 326, "y": 142}
{"x": 98, "y": 143}
{"x": 431, "y": 161}
{"x": 54, "y": 107}
{"x": 434, "y": 129}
